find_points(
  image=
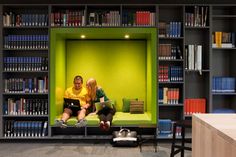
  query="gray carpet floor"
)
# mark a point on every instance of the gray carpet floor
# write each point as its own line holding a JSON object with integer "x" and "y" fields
{"x": 82, "y": 150}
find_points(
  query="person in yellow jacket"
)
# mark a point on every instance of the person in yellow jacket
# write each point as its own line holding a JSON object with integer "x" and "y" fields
{"x": 77, "y": 92}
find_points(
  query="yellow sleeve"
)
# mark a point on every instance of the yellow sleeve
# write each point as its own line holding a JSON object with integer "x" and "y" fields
{"x": 66, "y": 95}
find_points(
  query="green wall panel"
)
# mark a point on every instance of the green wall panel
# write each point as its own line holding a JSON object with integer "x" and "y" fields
{"x": 57, "y": 76}
{"x": 118, "y": 65}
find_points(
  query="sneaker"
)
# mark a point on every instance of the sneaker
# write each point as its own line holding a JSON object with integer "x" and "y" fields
{"x": 106, "y": 126}
{"x": 81, "y": 123}
{"x": 60, "y": 123}
{"x": 101, "y": 125}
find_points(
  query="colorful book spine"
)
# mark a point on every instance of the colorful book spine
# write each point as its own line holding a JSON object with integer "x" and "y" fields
{"x": 223, "y": 84}
{"x": 25, "y": 106}
{"x": 169, "y": 95}
{"x": 26, "y": 85}
{"x": 11, "y": 19}
{"x": 194, "y": 106}
{"x": 168, "y": 73}
{"x": 25, "y": 128}
{"x": 26, "y": 41}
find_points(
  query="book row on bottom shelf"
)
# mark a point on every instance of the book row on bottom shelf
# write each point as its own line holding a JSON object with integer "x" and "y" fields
{"x": 18, "y": 128}
{"x": 223, "y": 84}
{"x": 165, "y": 128}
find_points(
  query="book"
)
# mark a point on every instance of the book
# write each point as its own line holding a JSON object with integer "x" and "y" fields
{"x": 44, "y": 130}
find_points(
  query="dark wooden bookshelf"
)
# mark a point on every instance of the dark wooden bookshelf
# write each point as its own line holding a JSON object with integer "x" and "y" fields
{"x": 36, "y": 17}
{"x": 196, "y": 83}
{"x": 223, "y": 20}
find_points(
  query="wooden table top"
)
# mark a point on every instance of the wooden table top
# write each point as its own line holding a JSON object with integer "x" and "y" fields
{"x": 223, "y": 124}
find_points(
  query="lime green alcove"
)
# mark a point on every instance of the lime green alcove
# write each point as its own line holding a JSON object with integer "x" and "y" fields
{"x": 123, "y": 67}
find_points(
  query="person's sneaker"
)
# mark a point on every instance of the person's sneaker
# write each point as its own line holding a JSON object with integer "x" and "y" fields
{"x": 106, "y": 126}
{"x": 101, "y": 125}
{"x": 60, "y": 123}
{"x": 81, "y": 123}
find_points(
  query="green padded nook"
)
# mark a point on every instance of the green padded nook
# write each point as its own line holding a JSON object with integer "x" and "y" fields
{"x": 125, "y": 68}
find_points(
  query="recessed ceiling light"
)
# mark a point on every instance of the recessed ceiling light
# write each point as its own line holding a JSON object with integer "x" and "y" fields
{"x": 82, "y": 36}
{"x": 126, "y": 36}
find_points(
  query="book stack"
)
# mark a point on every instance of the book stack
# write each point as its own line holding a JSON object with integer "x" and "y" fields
{"x": 26, "y": 41}
{"x": 26, "y": 85}
{"x": 194, "y": 106}
{"x": 25, "y": 128}
{"x": 168, "y": 95}
{"x": 196, "y": 17}
{"x": 169, "y": 51}
{"x": 11, "y": 19}
{"x": 104, "y": 18}
{"x": 68, "y": 18}
{"x": 223, "y": 39}
{"x": 24, "y": 106}
{"x": 223, "y": 84}
{"x": 172, "y": 29}
{"x": 193, "y": 56}
{"x": 169, "y": 73}
{"x": 164, "y": 126}
{"x": 25, "y": 63}
{"x": 138, "y": 18}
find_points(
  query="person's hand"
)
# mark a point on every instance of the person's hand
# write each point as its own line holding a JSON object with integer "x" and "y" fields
{"x": 93, "y": 113}
{"x": 86, "y": 106}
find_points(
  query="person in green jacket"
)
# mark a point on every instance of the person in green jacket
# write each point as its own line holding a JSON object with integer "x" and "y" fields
{"x": 103, "y": 107}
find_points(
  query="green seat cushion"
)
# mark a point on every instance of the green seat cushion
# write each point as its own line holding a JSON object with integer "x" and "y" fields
{"x": 72, "y": 121}
{"x": 119, "y": 119}
{"x": 123, "y": 118}
{"x": 92, "y": 120}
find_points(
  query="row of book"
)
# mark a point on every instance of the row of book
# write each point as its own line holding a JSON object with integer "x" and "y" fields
{"x": 24, "y": 106}
{"x": 25, "y": 128}
{"x": 197, "y": 17}
{"x": 172, "y": 29}
{"x": 67, "y": 18}
{"x": 104, "y": 18}
{"x": 193, "y": 55}
{"x": 138, "y": 18}
{"x": 26, "y": 85}
{"x": 223, "y": 84}
{"x": 169, "y": 51}
{"x": 223, "y": 39}
{"x": 168, "y": 95}
{"x": 25, "y": 63}
{"x": 194, "y": 106}
{"x": 165, "y": 127}
{"x": 169, "y": 73}
{"x": 26, "y": 41}
{"x": 11, "y": 19}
